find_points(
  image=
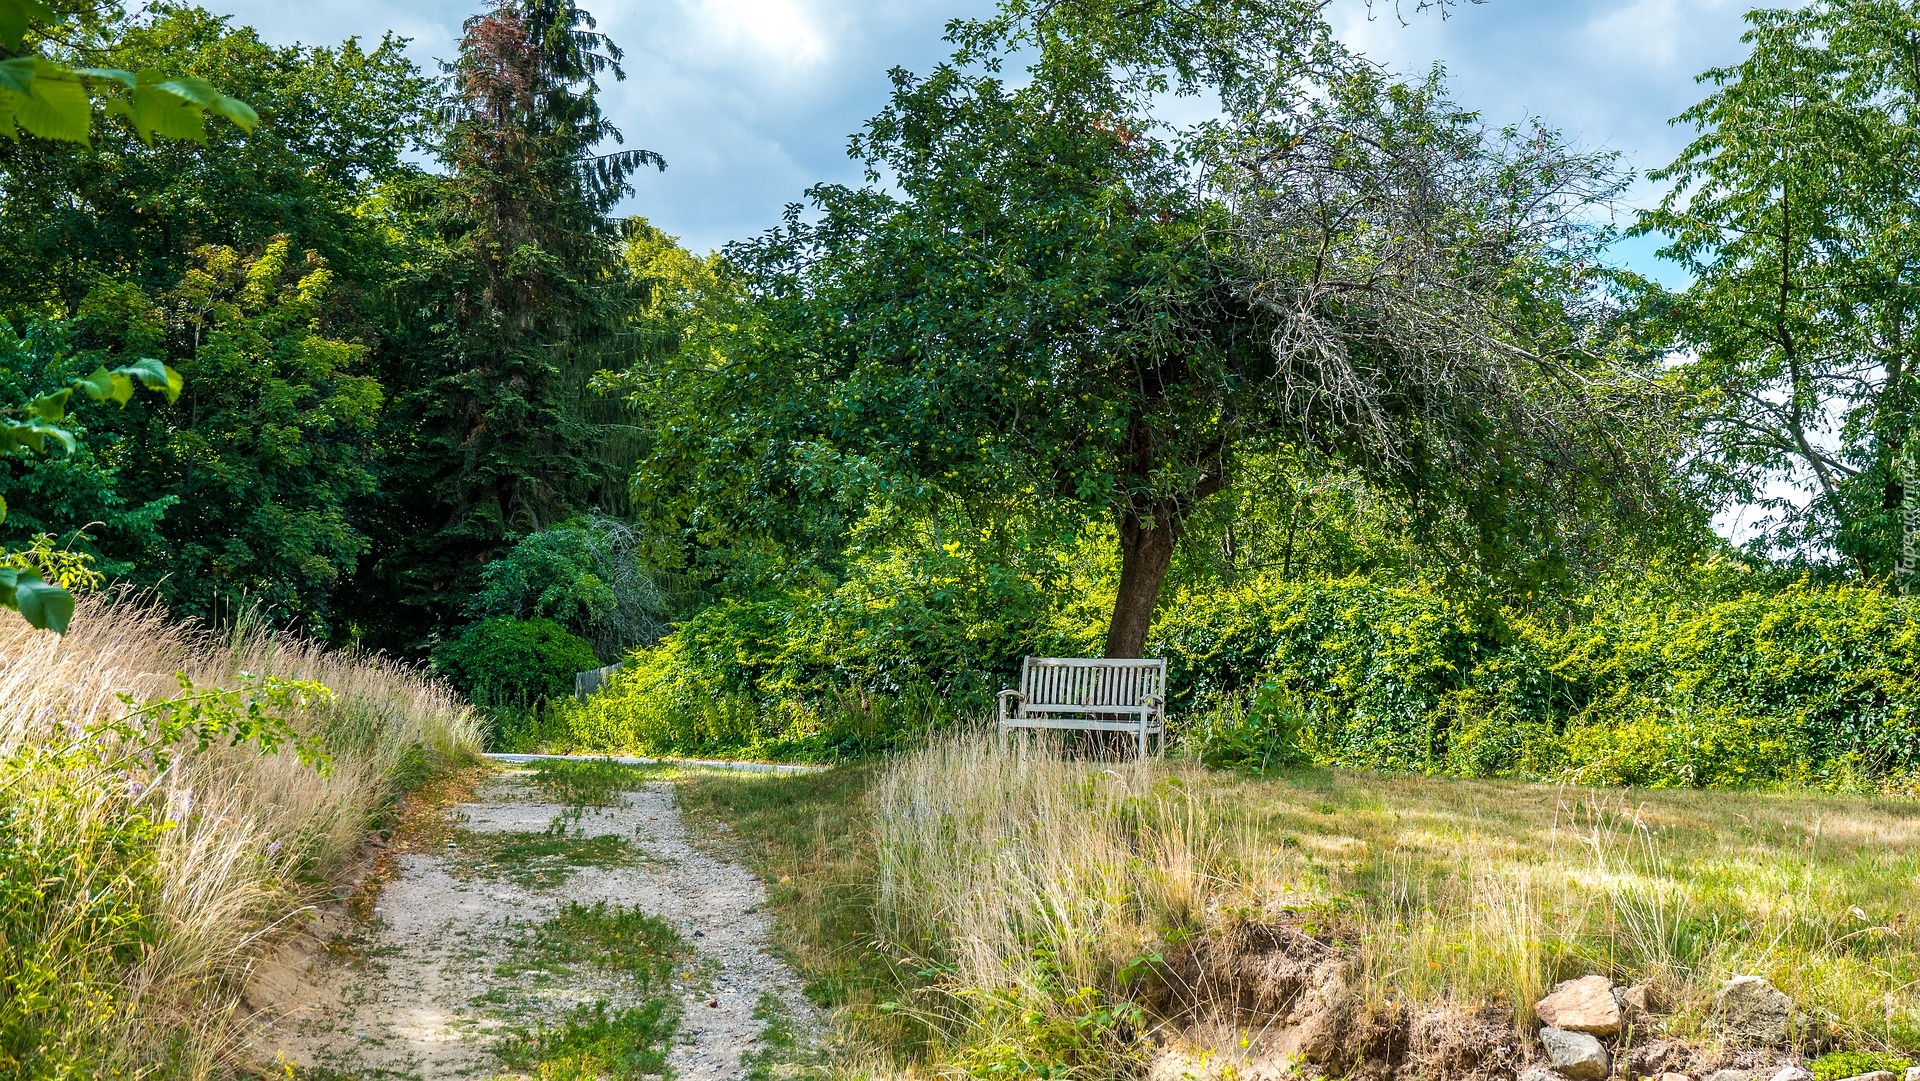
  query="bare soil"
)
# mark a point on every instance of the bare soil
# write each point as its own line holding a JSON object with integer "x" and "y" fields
{"x": 428, "y": 985}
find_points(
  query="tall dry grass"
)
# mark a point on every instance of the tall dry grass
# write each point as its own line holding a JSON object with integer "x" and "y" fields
{"x": 1022, "y": 878}
{"x": 171, "y": 881}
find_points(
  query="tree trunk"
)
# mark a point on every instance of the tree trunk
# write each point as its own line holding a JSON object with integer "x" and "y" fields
{"x": 1147, "y": 537}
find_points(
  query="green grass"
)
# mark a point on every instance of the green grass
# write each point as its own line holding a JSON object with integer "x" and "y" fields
{"x": 535, "y": 860}
{"x": 1442, "y": 890}
{"x": 624, "y": 940}
{"x": 595, "y": 1043}
{"x": 589, "y": 782}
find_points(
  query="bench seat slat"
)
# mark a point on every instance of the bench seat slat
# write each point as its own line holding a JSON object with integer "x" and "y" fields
{"x": 1084, "y": 694}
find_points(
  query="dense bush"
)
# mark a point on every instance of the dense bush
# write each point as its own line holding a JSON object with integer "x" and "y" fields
{"x": 504, "y": 663}
{"x": 1806, "y": 684}
{"x": 913, "y": 639}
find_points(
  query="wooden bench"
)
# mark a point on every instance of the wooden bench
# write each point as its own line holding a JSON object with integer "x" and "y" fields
{"x": 1090, "y": 696}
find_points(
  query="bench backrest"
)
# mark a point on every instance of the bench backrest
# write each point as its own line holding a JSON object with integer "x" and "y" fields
{"x": 1062, "y": 683}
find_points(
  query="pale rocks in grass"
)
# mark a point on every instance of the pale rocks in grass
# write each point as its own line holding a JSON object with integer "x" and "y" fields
{"x": 1583, "y": 1005}
{"x": 1912, "y": 1074}
{"x": 1874, "y": 1075}
{"x": 1753, "y": 1011}
{"x": 1798, "y": 1073}
{"x": 1576, "y": 1055}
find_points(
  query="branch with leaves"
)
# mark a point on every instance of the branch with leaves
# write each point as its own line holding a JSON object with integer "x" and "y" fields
{"x": 51, "y": 100}
{"x": 27, "y": 429}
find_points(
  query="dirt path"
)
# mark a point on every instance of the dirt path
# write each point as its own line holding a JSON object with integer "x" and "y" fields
{"x": 462, "y": 961}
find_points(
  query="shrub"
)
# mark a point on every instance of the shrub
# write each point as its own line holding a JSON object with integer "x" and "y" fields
{"x": 1842, "y": 1064}
{"x": 1802, "y": 685}
{"x": 1260, "y": 733}
{"x": 509, "y": 664}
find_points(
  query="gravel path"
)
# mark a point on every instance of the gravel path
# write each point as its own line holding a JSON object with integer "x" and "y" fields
{"x": 428, "y": 991}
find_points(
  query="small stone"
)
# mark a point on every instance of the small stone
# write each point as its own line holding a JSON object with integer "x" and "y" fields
{"x": 1539, "y": 1073}
{"x": 1576, "y": 1055}
{"x": 1874, "y": 1075}
{"x": 1752, "y": 1011}
{"x": 1793, "y": 1073}
{"x": 1582, "y": 1005}
{"x": 1636, "y": 999}
{"x": 1913, "y": 1074}
{"x": 1731, "y": 1075}
{"x": 1672, "y": 1077}
{"x": 713, "y": 1003}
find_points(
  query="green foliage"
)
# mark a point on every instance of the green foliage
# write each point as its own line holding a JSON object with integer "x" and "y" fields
{"x": 625, "y": 940}
{"x": 1266, "y": 733}
{"x": 504, "y": 663}
{"x": 515, "y": 298}
{"x": 26, "y": 430}
{"x": 1792, "y": 214}
{"x": 924, "y": 630}
{"x": 589, "y": 575}
{"x": 595, "y": 1043}
{"x": 81, "y": 823}
{"x": 338, "y": 123}
{"x": 54, "y": 101}
{"x": 265, "y": 458}
{"x": 1650, "y": 686}
{"x": 68, "y": 936}
{"x": 588, "y": 783}
{"x": 1844, "y": 1064}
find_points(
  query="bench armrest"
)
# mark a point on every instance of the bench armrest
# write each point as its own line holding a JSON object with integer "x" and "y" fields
{"x": 1007, "y": 714}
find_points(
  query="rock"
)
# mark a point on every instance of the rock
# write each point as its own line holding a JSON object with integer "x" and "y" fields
{"x": 1875, "y": 1075}
{"x": 1576, "y": 1055}
{"x": 1539, "y": 1073}
{"x": 1731, "y": 1075}
{"x": 1913, "y": 1074}
{"x": 1672, "y": 1077}
{"x": 1793, "y": 1073}
{"x": 1753, "y": 1011}
{"x": 1635, "y": 999}
{"x": 1582, "y": 1005}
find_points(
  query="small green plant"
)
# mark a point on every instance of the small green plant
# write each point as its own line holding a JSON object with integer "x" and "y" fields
{"x": 625, "y": 940}
{"x": 1268, "y": 733}
{"x": 596, "y": 1044}
{"x": 536, "y": 860}
{"x": 505, "y": 663}
{"x": 594, "y": 782}
{"x": 1843, "y": 1064}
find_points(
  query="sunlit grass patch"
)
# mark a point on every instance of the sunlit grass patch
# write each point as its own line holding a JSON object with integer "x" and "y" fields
{"x": 595, "y": 1043}
{"x": 915, "y": 891}
{"x": 624, "y": 940}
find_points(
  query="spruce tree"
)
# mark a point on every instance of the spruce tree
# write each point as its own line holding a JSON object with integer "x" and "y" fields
{"x": 515, "y": 303}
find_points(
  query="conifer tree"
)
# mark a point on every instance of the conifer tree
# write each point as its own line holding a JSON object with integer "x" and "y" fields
{"x": 518, "y": 299}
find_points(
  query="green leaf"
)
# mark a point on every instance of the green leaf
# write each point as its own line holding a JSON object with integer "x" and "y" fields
{"x": 118, "y": 75}
{"x": 3, "y": 508}
{"x": 55, "y": 106}
{"x": 156, "y": 376}
{"x": 51, "y": 407}
{"x": 47, "y": 607}
{"x": 155, "y": 110}
{"x": 104, "y": 385}
{"x": 17, "y": 74}
{"x": 17, "y": 15}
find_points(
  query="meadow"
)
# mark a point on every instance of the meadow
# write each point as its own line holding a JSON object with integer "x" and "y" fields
{"x": 1010, "y": 911}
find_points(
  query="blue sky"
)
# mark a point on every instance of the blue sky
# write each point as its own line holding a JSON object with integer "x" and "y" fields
{"x": 752, "y": 100}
